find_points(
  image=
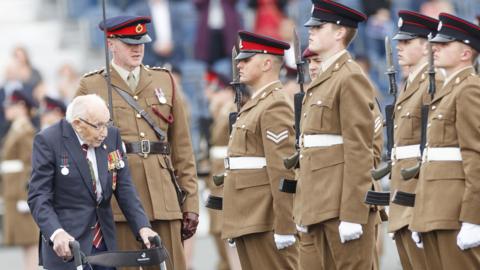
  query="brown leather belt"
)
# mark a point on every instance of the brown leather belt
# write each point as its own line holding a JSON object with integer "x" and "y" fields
{"x": 146, "y": 147}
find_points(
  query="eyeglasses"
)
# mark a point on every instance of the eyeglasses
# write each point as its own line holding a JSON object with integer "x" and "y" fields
{"x": 98, "y": 126}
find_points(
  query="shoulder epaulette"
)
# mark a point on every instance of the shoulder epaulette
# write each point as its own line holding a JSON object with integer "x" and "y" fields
{"x": 98, "y": 71}
{"x": 156, "y": 68}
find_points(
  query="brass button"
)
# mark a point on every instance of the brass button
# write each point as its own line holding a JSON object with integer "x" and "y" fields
{"x": 395, "y": 126}
{"x": 301, "y": 156}
{"x": 243, "y": 126}
{"x": 434, "y": 107}
{"x": 319, "y": 102}
{"x": 408, "y": 113}
{"x": 138, "y": 115}
{"x": 135, "y": 97}
{"x": 310, "y": 94}
{"x": 440, "y": 116}
{"x": 142, "y": 134}
{"x": 399, "y": 107}
{"x": 428, "y": 125}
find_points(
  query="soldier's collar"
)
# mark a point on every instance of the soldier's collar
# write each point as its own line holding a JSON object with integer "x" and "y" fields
{"x": 262, "y": 89}
{"x": 124, "y": 73}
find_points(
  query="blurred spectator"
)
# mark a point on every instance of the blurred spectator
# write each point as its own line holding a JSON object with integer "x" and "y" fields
{"x": 19, "y": 228}
{"x": 162, "y": 48}
{"x": 218, "y": 25}
{"x": 24, "y": 71}
{"x": 379, "y": 25}
{"x": 68, "y": 82}
{"x": 433, "y": 8}
{"x": 269, "y": 16}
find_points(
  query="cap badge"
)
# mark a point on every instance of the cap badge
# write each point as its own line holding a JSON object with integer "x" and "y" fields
{"x": 439, "y": 26}
{"x": 139, "y": 28}
{"x": 240, "y": 45}
{"x": 313, "y": 8}
{"x": 400, "y": 22}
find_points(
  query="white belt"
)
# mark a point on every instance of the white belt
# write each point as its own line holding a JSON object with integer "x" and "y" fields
{"x": 11, "y": 166}
{"x": 406, "y": 151}
{"x": 321, "y": 140}
{"x": 244, "y": 163}
{"x": 218, "y": 152}
{"x": 442, "y": 154}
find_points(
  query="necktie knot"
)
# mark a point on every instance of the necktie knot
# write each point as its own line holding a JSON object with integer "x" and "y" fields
{"x": 85, "y": 149}
{"x": 131, "y": 81}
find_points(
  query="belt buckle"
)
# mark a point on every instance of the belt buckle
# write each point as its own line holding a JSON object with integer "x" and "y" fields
{"x": 145, "y": 148}
{"x": 226, "y": 163}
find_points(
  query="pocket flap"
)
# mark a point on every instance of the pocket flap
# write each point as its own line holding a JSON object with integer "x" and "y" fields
{"x": 251, "y": 178}
{"x": 323, "y": 102}
{"x": 326, "y": 157}
{"x": 154, "y": 101}
{"x": 438, "y": 170}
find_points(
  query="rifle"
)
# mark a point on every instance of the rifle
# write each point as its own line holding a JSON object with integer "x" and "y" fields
{"x": 232, "y": 117}
{"x": 408, "y": 173}
{"x": 287, "y": 185}
{"x": 107, "y": 62}
{"x": 293, "y": 160}
{"x": 389, "y": 109}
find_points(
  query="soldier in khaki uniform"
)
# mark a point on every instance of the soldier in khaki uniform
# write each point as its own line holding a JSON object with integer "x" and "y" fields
{"x": 336, "y": 150}
{"x": 446, "y": 216}
{"x": 255, "y": 213}
{"x": 19, "y": 227}
{"x": 151, "y": 160}
{"x": 412, "y": 35}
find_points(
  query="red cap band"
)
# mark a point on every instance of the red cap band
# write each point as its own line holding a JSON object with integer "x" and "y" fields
{"x": 133, "y": 30}
{"x": 251, "y": 46}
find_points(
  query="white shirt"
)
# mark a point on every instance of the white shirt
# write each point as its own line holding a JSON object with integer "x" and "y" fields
{"x": 93, "y": 159}
{"x": 259, "y": 91}
{"x": 124, "y": 73}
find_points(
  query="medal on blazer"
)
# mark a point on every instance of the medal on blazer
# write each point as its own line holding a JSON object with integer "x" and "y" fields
{"x": 64, "y": 167}
{"x": 115, "y": 161}
{"x": 160, "y": 95}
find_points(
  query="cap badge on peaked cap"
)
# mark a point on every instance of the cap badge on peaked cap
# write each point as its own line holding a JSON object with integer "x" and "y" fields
{"x": 400, "y": 22}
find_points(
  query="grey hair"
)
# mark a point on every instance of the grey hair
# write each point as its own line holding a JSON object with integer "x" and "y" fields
{"x": 82, "y": 105}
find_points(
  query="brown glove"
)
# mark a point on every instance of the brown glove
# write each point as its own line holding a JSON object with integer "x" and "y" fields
{"x": 189, "y": 225}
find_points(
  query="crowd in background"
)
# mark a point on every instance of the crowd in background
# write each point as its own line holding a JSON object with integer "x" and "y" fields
{"x": 194, "y": 39}
{"x": 196, "y": 36}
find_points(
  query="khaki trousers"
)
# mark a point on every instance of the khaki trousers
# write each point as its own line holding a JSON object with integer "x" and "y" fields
{"x": 321, "y": 248}
{"x": 442, "y": 252}
{"x": 411, "y": 257}
{"x": 169, "y": 231}
{"x": 257, "y": 251}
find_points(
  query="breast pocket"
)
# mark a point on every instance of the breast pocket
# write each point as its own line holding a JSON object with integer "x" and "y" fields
{"x": 320, "y": 114}
{"x": 442, "y": 126}
{"x": 124, "y": 117}
{"x": 161, "y": 112}
{"x": 411, "y": 122}
{"x": 245, "y": 138}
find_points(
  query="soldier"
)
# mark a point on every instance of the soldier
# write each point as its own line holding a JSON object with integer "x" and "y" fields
{"x": 19, "y": 227}
{"x": 52, "y": 111}
{"x": 336, "y": 150}
{"x": 413, "y": 31}
{"x": 445, "y": 217}
{"x": 156, "y": 136}
{"x": 256, "y": 215}
{"x": 314, "y": 63}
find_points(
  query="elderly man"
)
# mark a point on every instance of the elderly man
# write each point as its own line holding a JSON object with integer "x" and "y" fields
{"x": 77, "y": 165}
